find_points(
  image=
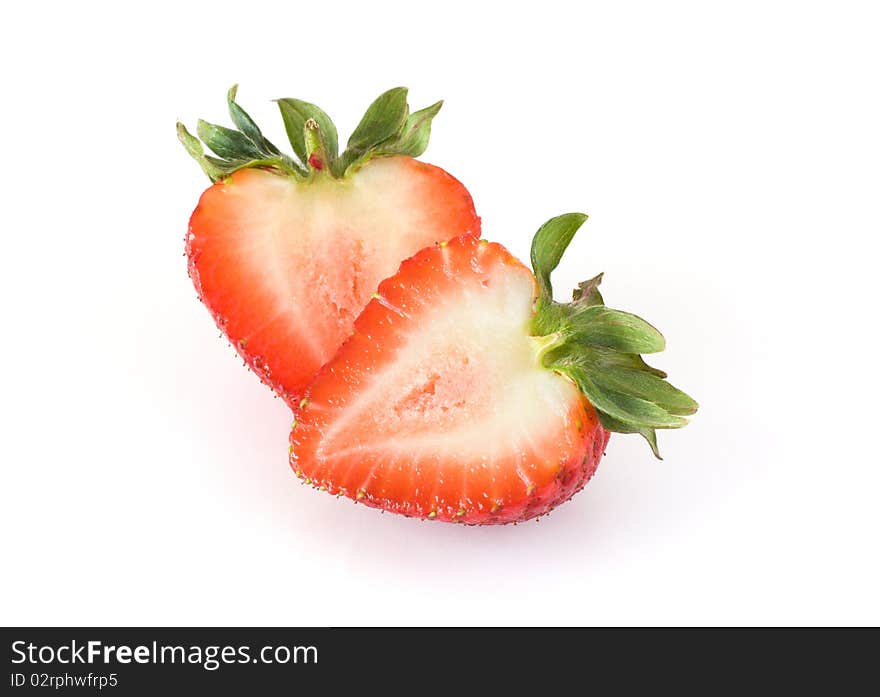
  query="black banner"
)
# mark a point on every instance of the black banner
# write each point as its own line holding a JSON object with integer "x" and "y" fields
{"x": 151, "y": 661}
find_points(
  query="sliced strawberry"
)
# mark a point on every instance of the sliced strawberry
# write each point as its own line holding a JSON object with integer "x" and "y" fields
{"x": 460, "y": 396}
{"x": 286, "y": 254}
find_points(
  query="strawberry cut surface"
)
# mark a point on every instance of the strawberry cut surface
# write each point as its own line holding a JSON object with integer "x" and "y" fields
{"x": 285, "y": 267}
{"x": 285, "y": 250}
{"x": 438, "y": 405}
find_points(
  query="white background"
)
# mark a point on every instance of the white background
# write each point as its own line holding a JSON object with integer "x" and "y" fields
{"x": 729, "y": 156}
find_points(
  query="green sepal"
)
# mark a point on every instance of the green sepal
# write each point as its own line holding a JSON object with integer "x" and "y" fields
{"x": 622, "y": 373}
{"x": 649, "y": 434}
{"x": 413, "y": 138}
{"x": 646, "y": 386}
{"x": 599, "y": 348}
{"x": 227, "y": 143}
{"x": 387, "y": 128}
{"x": 601, "y": 358}
{"x": 587, "y": 293}
{"x": 244, "y": 123}
{"x": 194, "y": 147}
{"x": 384, "y": 119}
{"x": 601, "y": 326}
{"x": 548, "y": 246}
{"x": 383, "y": 122}
{"x": 623, "y": 406}
{"x": 606, "y": 359}
{"x": 235, "y": 149}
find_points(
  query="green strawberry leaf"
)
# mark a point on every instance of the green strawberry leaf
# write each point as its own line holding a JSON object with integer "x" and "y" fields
{"x": 384, "y": 118}
{"x": 226, "y": 143}
{"x": 548, "y": 246}
{"x": 645, "y": 386}
{"x": 244, "y": 123}
{"x": 388, "y": 128}
{"x": 219, "y": 168}
{"x": 627, "y": 408}
{"x": 604, "y": 358}
{"x": 587, "y": 293}
{"x": 600, "y": 358}
{"x": 194, "y": 147}
{"x": 649, "y": 434}
{"x": 413, "y": 139}
{"x": 599, "y": 325}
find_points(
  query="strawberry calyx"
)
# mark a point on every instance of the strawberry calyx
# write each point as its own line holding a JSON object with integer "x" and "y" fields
{"x": 387, "y": 128}
{"x": 599, "y": 348}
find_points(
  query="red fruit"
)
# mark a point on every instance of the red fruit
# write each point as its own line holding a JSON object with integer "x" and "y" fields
{"x": 466, "y": 394}
{"x": 285, "y": 254}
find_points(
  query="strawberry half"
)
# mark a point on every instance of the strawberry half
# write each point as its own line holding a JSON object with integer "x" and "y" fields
{"x": 286, "y": 251}
{"x": 467, "y": 394}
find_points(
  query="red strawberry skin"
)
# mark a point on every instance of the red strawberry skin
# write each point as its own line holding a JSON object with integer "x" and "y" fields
{"x": 436, "y": 407}
{"x": 285, "y": 266}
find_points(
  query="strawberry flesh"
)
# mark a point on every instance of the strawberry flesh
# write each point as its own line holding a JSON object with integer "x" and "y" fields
{"x": 285, "y": 266}
{"x": 438, "y": 406}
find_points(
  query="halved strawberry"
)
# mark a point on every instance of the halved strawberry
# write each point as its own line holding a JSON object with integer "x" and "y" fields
{"x": 285, "y": 252}
{"x": 466, "y": 394}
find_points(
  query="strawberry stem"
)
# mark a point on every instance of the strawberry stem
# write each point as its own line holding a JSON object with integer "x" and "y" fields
{"x": 316, "y": 155}
{"x": 545, "y": 344}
